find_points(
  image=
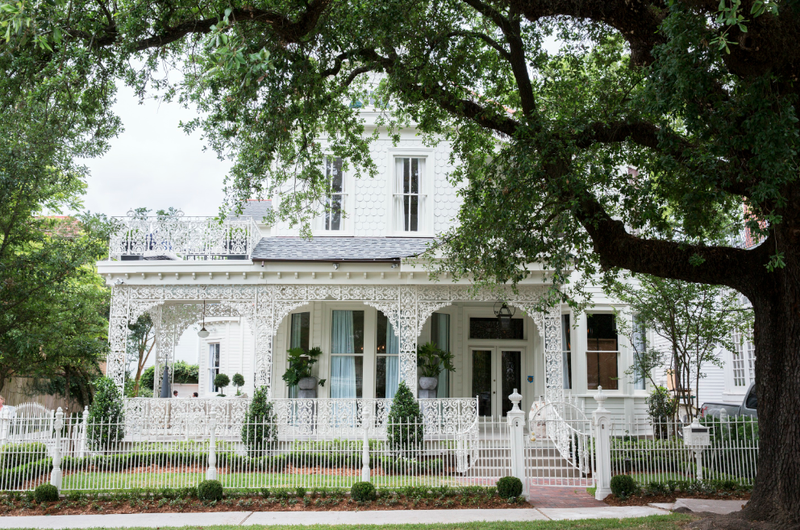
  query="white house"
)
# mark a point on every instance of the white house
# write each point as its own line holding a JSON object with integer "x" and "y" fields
{"x": 354, "y": 291}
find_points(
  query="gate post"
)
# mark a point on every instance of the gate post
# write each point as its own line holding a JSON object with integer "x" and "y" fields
{"x": 601, "y": 420}
{"x": 84, "y": 432}
{"x": 516, "y": 425}
{"x": 55, "y": 475}
{"x": 211, "y": 472}
{"x": 365, "y": 471}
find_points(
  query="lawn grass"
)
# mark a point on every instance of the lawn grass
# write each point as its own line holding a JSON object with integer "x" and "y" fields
{"x": 655, "y": 522}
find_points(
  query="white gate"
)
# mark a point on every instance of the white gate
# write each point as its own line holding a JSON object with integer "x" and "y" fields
{"x": 560, "y": 448}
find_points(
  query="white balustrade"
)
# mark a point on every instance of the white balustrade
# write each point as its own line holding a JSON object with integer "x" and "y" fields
{"x": 182, "y": 237}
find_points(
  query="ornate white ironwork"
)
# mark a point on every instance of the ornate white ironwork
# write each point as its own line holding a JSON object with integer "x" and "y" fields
{"x": 265, "y": 306}
{"x": 565, "y": 424}
{"x": 180, "y": 237}
{"x": 328, "y": 418}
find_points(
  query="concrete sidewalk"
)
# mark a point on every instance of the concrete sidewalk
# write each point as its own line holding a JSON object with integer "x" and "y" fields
{"x": 383, "y": 517}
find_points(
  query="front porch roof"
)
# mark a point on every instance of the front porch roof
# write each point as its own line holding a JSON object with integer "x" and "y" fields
{"x": 360, "y": 249}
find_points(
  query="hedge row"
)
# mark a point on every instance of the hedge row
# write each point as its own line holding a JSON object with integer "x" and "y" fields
{"x": 14, "y": 477}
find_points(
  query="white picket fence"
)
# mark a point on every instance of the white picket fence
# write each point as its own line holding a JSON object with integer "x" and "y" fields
{"x": 556, "y": 448}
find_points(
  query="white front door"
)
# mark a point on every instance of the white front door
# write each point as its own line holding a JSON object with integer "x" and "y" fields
{"x": 496, "y": 372}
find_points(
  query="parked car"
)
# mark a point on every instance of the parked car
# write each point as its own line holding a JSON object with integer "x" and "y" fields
{"x": 747, "y": 408}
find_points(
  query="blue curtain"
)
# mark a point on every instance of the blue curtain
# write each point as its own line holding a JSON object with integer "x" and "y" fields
{"x": 343, "y": 367}
{"x": 392, "y": 361}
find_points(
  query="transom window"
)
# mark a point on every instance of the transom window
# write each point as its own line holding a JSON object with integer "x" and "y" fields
{"x": 489, "y": 328}
{"x": 601, "y": 352}
{"x": 408, "y": 196}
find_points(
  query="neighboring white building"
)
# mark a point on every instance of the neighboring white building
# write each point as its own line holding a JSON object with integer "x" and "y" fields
{"x": 348, "y": 290}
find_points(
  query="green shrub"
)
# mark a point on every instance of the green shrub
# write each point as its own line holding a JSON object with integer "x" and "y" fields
{"x": 509, "y": 487}
{"x": 45, "y": 493}
{"x": 363, "y": 492}
{"x": 259, "y": 431}
{"x": 221, "y": 381}
{"x": 106, "y": 415}
{"x": 14, "y": 477}
{"x": 623, "y": 486}
{"x": 404, "y": 426}
{"x": 238, "y": 382}
{"x": 15, "y": 455}
{"x": 209, "y": 490}
{"x": 301, "y": 492}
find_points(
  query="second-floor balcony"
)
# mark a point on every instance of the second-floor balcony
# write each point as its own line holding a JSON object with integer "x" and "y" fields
{"x": 179, "y": 237}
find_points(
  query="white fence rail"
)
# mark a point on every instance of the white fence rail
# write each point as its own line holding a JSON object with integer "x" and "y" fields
{"x": 657, "y": 452}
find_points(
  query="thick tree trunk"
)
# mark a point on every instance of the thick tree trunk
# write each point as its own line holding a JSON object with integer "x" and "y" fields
{"x": 776, "y": 495}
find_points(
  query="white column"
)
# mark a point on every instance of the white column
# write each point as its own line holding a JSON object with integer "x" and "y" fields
{"x": 117, "y": 336}
{"x": 516, "y": 424}
{"x": 211, "y": 472}
{"x": 601, "y": 421}
{"x": 55, "y": 474}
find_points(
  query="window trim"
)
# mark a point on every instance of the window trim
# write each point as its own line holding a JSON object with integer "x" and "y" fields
{"x": 587, "y": 351}
{"x": 425, "y": 219}
{"x": 347, "y": 223}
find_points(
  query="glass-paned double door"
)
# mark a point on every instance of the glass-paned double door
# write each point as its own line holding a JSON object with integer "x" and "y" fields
{"x": 496, "y": 372}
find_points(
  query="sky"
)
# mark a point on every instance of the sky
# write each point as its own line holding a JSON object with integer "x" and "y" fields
{"x": 154, "y": 164}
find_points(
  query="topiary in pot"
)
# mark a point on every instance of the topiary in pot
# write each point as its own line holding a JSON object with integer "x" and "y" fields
{"x": 404, "y": 427}
{"x": 238, "y": 382}
{"x": 221, "y": 381}
{"x": 106, "y": 416}
{"x": 45, "y": 493}
{"x": 259, "y": 431}
{"x": 209, "y": 490}
{"x": 363, "y": 492}
{"x": 623, "y": 486}
{"x": 509, "y": 487}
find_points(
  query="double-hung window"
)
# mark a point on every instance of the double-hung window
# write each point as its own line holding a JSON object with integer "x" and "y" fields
{"x": 213, "y": 365}
{"x": 388, "y": 359}
{"x": 639, "y": 350}
{"x": 744, "y": 360}
{"x": 440, "y": 335}
{"x": 299, "y": 338}
{"x": 601, "y": 352}
{"x": 335, "y": 199}
{"x": 409, "y": 201}
{"x": 347, "y": 354}
{"x": 566, "y": 351}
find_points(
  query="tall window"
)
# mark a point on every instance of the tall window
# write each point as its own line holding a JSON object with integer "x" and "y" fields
{"x": 335, "y": 199}
{"x": 566, "y": 350}
{"x": 601, "y": 352}
{"x": 408, "y": 197}
{"x": 440, "y": 335}
{"x": 299, "y": 338}
{"x": 639, "y": 348}
{"x": 347, "y": 354}
{"x": 213, "y": 365}
{"x": 744, "y": 360}
{"x": 388, "y": 362}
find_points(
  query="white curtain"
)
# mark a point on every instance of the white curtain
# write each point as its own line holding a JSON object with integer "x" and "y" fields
{"x": 343, "y": 367}
{"x": 392, "y": 361}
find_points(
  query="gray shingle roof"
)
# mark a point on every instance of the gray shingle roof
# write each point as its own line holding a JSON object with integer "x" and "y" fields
{"x": 255, "y": 209}
{"x": 338, "y": 248}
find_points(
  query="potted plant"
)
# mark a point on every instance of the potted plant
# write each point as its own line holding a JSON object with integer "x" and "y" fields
{"x": 431, "y": 361}
{"x": 299, "y": 371}
{"x": 238, "y": 382}
{"x": 221, "y": 381}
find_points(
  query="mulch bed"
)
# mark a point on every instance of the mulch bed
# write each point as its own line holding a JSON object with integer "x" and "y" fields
{"x": 256, "y": 504}
{"x": 643, "y": 500}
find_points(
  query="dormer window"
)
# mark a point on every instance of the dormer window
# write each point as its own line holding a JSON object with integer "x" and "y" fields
{"x": 409, "y": 201}
{"x": 334, "y": 202}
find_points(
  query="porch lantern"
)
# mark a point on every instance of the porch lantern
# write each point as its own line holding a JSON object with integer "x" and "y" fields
{"x": 504, "y": 314}
{"x": 203, "y": 333}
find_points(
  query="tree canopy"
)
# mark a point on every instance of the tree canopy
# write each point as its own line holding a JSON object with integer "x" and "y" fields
{"x": 699, "y": 97}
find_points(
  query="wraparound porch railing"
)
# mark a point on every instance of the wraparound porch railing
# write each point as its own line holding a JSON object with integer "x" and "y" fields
{"x": 154, "y": 418}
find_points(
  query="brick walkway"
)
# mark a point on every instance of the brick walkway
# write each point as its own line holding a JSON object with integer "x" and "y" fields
{"x": 562, "y": 497}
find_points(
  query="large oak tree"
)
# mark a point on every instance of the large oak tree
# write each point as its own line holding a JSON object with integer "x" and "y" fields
{"x": 701, "y": 101}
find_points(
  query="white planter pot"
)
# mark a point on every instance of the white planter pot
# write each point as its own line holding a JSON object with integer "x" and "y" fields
{"x": 427, "y": 387}
{"x": 307, "y": 388}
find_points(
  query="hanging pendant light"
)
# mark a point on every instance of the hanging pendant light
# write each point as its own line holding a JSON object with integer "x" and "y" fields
{"x": 203, "y": 333}
{"x": 504, "y": 314}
